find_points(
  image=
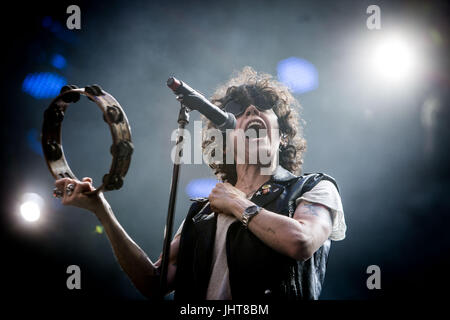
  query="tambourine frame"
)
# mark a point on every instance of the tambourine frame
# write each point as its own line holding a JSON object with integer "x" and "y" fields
{"x": 113, "y": 114}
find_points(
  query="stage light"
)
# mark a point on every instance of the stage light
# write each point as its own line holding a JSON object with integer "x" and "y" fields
{"x": 198, "y": 188}
{"x": 43, "y": 85}
{"x": 298, "y": 74}
{"x": 30, "y": 211}
{"x": 33, "y": 139}
{"x": 31, "y": 205}
{"x": 393, "y": 59}
{"x": 58, "y": 61}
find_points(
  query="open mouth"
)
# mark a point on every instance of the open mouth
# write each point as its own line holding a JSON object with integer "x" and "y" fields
{"x": 255, "y": 129}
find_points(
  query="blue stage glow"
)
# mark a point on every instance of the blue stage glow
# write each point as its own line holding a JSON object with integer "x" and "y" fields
{"x": 58, "y": 61}
{"x": 200, "y": 187}
{"x": 33, "y": 140}
{"x": 47, "y": 22}
{"x": 56, "y": 27}
{"x": 62, "y": 33}
{"x": 59, "y": 30}
{"x": 298, "y": 74}
{"x": 43, "y": 85}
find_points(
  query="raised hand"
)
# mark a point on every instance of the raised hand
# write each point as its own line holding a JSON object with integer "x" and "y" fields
{"x": 72, "y": 192}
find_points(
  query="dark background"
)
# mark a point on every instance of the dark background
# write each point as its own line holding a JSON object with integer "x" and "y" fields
{"x": 390, "y": 163}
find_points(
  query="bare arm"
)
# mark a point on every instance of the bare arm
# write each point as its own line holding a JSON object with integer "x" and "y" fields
{"x": 140, "y": 269}
{"x": 144, "y": 274}
{"x": 298, "y": 237}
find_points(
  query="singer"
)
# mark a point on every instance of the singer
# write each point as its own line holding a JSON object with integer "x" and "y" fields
{"x": 261, "y": 234}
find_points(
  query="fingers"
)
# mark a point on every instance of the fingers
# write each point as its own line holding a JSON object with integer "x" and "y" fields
{"x": 74, "y": 192}
{"x": 66, "y": 195}
{"x": 61, "y": 183}
{"x": 78, "y": 189}
{"x": 217, "y": 188}
{"x": 81, "y": 187}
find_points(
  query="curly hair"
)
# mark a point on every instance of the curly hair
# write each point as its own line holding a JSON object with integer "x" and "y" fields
{"x": 250, "y": 87}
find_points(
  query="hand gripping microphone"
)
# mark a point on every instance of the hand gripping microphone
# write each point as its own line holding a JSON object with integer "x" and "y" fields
{"x": 196, "y": 101}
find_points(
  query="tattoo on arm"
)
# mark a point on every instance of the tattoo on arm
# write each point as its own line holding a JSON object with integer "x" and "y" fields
{"x": 270, "y": 230}
{"x": 311, "y": 209}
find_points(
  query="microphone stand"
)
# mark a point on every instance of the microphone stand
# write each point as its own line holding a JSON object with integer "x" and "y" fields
{"x": 183, "y": 120}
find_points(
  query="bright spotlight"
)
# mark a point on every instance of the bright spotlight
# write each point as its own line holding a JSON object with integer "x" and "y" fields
{"x": 31, "y": 206}
{"x": 394, "y": 59}
{"x": 30, "y": 211}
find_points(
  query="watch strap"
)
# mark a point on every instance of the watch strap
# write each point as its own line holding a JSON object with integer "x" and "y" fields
{"x": 247, "y": 216}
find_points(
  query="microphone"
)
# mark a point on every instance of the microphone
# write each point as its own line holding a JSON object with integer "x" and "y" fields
{"x": 196, "y": 101}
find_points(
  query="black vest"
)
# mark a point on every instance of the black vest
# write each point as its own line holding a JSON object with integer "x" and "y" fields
{"x": 256, "y": 271}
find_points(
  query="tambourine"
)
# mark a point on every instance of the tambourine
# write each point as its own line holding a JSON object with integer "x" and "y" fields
{"x": 113, "y": 115}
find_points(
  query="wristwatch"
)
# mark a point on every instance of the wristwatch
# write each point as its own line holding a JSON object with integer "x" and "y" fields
{"x": 249, "y": 213}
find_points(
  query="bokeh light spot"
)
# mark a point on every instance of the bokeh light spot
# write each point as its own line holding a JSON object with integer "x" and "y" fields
{"x": 298, "y": 74}
{"x": 200, "y": 187}
{"x": 43, "y": 85}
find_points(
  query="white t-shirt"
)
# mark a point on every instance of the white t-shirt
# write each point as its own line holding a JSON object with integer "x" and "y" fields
{"x": 324, "y": 193}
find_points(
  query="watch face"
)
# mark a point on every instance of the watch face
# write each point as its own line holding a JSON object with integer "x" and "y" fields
{"x": 252, "y": 210}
